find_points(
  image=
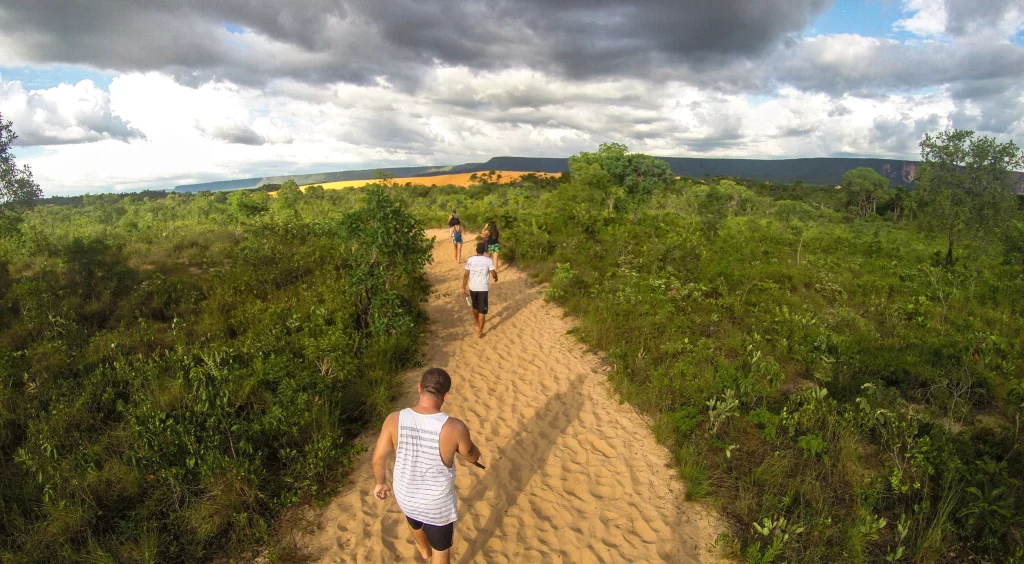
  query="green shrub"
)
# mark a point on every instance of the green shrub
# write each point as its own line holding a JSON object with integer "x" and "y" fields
{"x": 803, "y": 364}
{"x": 176, "y": 373}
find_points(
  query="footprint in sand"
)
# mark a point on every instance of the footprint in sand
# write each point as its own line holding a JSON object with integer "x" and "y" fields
{"x": 572, "y": 475}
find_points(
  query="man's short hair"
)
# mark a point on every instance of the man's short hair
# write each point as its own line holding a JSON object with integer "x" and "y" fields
{"x": 481, "y": 248}
{"x": 436, "y": 382}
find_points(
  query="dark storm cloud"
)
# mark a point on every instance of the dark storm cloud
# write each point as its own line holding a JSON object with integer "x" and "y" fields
{"x": 358, "y": 40}
{"x": 577, "y": 47}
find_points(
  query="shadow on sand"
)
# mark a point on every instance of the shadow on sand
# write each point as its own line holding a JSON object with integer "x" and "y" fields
{"x": 513, "y": 466}
{"x": 525, "y": 295}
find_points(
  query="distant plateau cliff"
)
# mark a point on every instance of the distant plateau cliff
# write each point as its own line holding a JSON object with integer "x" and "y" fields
{"x": 819, "y": 171}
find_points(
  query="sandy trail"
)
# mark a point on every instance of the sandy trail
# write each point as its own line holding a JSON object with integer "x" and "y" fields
{"x": 572, "y": 475}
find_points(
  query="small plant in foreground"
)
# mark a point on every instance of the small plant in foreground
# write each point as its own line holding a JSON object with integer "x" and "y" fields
{"x": 720, "y": 409}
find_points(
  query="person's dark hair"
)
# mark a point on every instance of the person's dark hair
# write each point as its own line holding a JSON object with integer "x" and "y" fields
{"x": 436, "y": 382}
{"x": 454, "y": 212}
{"x": 481, "y": 247}
{"x": 492, "y": 230}
{"x": 456, "y": 221}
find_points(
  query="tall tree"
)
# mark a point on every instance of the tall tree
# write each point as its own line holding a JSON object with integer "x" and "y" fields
{"x": 900, "y": 203}
{"x": 966, "y": 183}
{"x": 594, "y": 170}
{"x": 632, "y": 176}
{"x": 315, "y": 192}
{"x": 865, "y": 188}
{"x": 643, "y": 176}
{"x": 288, "y": 195}
{"x": 16, "y": 184}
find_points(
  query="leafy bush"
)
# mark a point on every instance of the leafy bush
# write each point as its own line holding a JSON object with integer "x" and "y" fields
{"x": 176, "y": 373}
{"x": 808, "y": 366}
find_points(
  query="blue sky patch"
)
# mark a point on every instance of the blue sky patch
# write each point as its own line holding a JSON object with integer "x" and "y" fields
{"x": 48, "y": 76}
{"x": 22, "y": 152}
{"x": 869, "y": 18}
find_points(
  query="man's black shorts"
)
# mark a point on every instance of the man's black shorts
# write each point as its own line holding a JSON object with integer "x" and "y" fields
{"x": 479, "y": 300}
{"x": 439, "y": 537}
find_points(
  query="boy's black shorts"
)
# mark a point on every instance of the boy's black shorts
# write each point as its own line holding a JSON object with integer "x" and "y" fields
{"x": 439, "y": 536}
{"x": 479, "y": 300}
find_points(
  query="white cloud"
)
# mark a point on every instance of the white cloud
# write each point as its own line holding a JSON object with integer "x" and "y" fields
{"x": 986, "y": 19}
{"x": 335, "y": 84}
{"x": 926, "y": 17}
{"x": 78, "y": 113}
{"x": 467, "y": 116}
{"x": 272, "y": 130}
{"x": 1012, "y": 21}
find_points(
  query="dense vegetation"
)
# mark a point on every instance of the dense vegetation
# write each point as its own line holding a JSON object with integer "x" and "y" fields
{"x": 176, "y": 371}
{"x": 823, "y": 373}
{"x": 841, "y": 371}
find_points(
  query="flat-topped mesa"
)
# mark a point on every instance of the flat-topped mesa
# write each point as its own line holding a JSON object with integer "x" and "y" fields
{"x": 815, "y": 171}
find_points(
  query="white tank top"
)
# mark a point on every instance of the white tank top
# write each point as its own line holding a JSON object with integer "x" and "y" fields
{"x": 424, "y": 487}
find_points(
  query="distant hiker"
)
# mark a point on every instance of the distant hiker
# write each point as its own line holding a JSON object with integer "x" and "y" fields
{"x": 490, "y": 235}
{"x": 457, "y": 240}
{"x": 452, "y": 220}
{"x": 425, "y": 441}
{"x": 476, "y": 283}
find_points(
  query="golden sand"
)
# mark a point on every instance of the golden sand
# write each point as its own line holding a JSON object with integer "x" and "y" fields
{"x": 572, "y": 475}
{"x": 442, "y": 180}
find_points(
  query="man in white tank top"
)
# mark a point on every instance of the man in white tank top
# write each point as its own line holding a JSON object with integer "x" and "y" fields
{"x": 425, "y": 441}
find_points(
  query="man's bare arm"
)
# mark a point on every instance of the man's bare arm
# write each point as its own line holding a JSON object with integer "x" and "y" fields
{"x": 465, "y": 283}
{"x": 467, "y": 449}
{"x": 494, "y": 274}
{"x": 385, "y": 445}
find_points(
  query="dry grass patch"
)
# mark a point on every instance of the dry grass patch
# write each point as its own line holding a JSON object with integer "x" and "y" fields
{"x": 463, "y": 179}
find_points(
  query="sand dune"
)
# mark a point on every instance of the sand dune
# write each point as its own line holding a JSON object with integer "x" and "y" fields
{"x": 572, "y": 475}
{"x": 441, "y": 180}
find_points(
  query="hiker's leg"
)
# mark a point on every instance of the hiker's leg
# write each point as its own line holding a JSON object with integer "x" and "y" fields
{"x": 421, "y": 540}
{"x": 440, "y": 538}
{"x": 482, "y": 304}
{"x": 421, "y": 544}
{"x": 495, "y": 255}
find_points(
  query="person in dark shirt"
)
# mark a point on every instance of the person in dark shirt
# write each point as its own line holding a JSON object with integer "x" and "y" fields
{"x": 490, "y": 236}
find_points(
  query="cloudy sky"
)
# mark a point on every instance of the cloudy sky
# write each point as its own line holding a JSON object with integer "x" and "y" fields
{"x": 131, "y": 94}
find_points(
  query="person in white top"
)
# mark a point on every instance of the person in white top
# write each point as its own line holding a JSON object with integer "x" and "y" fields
{"x": 476, "y": 282}
{"x": 425, "y": 441}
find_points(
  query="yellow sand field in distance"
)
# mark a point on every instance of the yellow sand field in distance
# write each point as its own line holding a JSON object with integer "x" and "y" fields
{"x": 441, "y": 180}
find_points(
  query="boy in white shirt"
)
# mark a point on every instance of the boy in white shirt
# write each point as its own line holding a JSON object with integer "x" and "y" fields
{"x": 475, "y": 284}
